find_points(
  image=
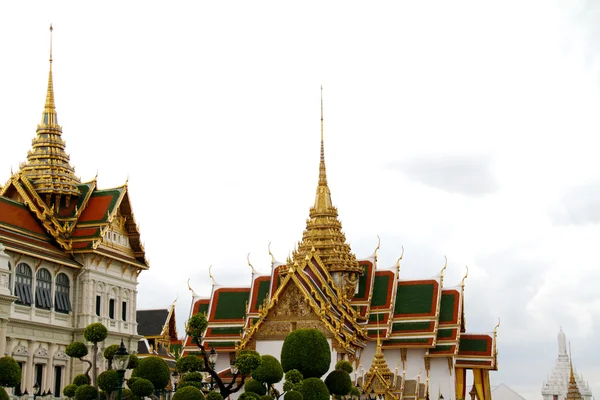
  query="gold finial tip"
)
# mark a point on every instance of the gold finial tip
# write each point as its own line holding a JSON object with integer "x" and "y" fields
{"x": 51, "y": 28}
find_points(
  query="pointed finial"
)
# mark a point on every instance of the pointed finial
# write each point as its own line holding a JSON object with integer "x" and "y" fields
{"x": 377, "y": 248}
{"x": 253, "y": 270}
{"x": 51, "y": 29}
{"x": 176, "y": 298}
{"x": 465, "y": 277}
{"x": 210, "y": 275}
{"x": 444, "y": 268}
{"x": 398, "y": 264}
{"x": 271, "y": 254}
{"x": 322, "y": 171}
{"x": 190, "y": 289}
{"x": 496, "y": 327}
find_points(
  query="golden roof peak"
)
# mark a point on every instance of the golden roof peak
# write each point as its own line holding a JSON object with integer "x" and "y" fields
{"x": 573, "y": 392}
{"x": 323, "y": 234}
{"x": 47, "y": 165}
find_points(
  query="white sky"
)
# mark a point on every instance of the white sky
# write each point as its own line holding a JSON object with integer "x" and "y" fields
{"x": 465, "y": 129}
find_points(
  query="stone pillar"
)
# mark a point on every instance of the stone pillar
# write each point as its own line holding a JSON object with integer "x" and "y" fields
{"x": 3, "y": 328}
{"x": 48, "y": 381}
{"x": 30, "y": 367}
{"x": 4, "y": 273}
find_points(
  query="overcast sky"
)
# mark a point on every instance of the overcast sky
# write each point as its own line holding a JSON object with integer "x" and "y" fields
{"x": 465, "y": 129}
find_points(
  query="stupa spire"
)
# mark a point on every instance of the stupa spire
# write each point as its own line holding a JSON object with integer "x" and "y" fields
{"x": 573, "y": 391}
{"x": 323, "y": 234}
{"x": 47, "y": 166}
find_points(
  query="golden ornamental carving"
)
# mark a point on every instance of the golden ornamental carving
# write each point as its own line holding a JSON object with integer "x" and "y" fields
{"x": 291, "y": 304}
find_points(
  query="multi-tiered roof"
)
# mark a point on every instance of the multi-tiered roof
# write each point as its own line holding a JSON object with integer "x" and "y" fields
{"x": 47, "y": 212}
{"x": 324, "y": 286}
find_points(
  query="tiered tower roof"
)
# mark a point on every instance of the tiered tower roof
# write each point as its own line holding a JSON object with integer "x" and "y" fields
{"x": 558, "y": 383}
{"x": 47, "y": 166}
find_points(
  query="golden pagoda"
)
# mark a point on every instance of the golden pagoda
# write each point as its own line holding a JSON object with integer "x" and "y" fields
{"x": 573, "y": 391}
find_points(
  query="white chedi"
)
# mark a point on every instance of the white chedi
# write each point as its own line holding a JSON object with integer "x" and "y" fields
{"x": 555, "y": 388}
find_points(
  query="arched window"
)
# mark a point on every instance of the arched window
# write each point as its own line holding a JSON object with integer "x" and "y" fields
{"x": 43, "y": 289}
{"x": 23, "y": 284}
{"x": 62, "y": 301}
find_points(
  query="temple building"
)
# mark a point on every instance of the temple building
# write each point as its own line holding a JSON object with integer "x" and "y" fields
{"x": 412, "y": 330}
{"x": 563, "y": 381}
{"x": 70, "y": 255}
{"x": 159, "y": 330}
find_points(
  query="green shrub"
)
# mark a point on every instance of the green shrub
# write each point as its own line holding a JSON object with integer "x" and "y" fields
{"x": 307, "y": 351}
{"x": 142, "y": 387}
{"x": 344, "y": 366}
{"x": 3, "y": 394}
{"x": 266, "y": 397}
{"x": 95, "y": 333}
{"x": 196, "y": 326}
{"x": 188, "y": 393}
{"x": 134, "y": 361}
{"x": 156, "y": 370}
{"x": 189, "y": 363}
{"x": 269, "y": 371}
{"x": 191, "y": 383}
{"x": 76, "y": 350}
{"x": 338, "y": 382}
{"x": 254, "y": 386}
{"x": 249, "y": 396}
{"x": 192, "y": 377}
{"x": 126, "y": 393}
{"x": 214, "y": 396}
{"x": 108, "y": 380}
{"x": 314, "y": 389}
{"x": 247, "y": 361}
{"x": 69, "y": 390}
{"x": 81, "y": 379}
{"x": 86, "y": 392}
{"x": 293, "y": 395}
{"x": 11, "y": 372}
{"x": 130, "y": 381}
{"x": 293, "y": 380}
{"x": 110, "y": 351}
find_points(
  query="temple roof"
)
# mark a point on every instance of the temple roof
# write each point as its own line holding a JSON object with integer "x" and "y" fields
{"x": 151, "y": 322}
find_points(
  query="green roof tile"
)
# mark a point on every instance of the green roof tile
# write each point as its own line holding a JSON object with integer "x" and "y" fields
{"x": 380, "y": 291}
{"x": 414, "y": 299}
{"x": 447, "y": 307}
{"x": 230, "y": 305}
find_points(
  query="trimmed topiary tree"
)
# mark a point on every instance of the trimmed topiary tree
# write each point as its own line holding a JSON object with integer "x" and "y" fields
{"x": 293, "y": 395}
{"x": 142, "y": 388}
{"x": 266, "y": 397}
{"x": 293, "y": 380}
{"x": 214, "y": 396}
{"x": 269, "y": 372}
{"x": 344, "y": 366}
{"x": 134, "y": 361}
{"x": 254, "y": 386}
{"x": 11, "y": 372}
{"x": 3, "y": 394}
{"x": 109, "y": 353}
{"x": 79, "y": 350}
{"x": 192, "y": 377}
{"x": 307, "y": 351}
{"x": 191, "y": 383}
{"x": 338, "y": 382}
{"x": 249, "y": 396}
{"x": 95, "y": 333}
{"x": 86, "y": 392}
{"x": 155, "y": 369}
{"x": 108, "y": 381}
{"x": 314, "y": 389}
{"x": 81, "y": 379}
{"x": 69, "y": 390}
{"x": 188, "y": 393}
{"x": 189, "y": 363}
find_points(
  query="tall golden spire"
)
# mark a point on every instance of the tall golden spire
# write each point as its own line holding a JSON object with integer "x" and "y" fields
{"x": 323, "y": 233}
{"x": 47, "y": 165}
{"x": 573, "y": 392}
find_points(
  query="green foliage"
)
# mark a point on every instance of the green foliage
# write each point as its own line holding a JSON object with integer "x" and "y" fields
{"x": 189, "y": 363}
{"x": 293, "y": 380}
{"x": 110, "y": 351}
{"x": 188, "y": 393}
{"x": 344, "y": 366}
{"x": 307, "y": 351}
{"x": 95, "y": 333}
{"x": 11, "y": 372}
{"x": 314, "y": 389}
{"x": 156, "y": 370}
{"x": 266, "y": 397}
{"x": 3, "y": 394}
{"x": 249, "y": 396}
{"x": 254, "y": 386}
{"x": 354, "y": 392}
{"x": 338, "y": 382}
{"x": 76, "y": 350}
{"x": 69, "y": 390}
{"x": 192, "y": 377}
{"x": 247, "y": 361}
{"x": 142, "y": 387}
{"x": 131, "y": 380}
{"x": 86, "y": 392}
{"x": 134, "y": 361}
{"x": 293, "y": 395}
{"x": 126, "y": 393}
{"x": 190, "y": 383}
{"x": 81, "y": 379}
{"x": 108, "y": 380}
{"x": 269, "y": 371}
{"x": 196, "y": 326}
{"x": 214, "y": 396}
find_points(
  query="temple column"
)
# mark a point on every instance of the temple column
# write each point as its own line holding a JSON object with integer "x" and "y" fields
{"x": 49, "y": 367}
{"x": 460, "y": 376}
{"x": 29, "y": 366}
{"x": 3, "y": 328}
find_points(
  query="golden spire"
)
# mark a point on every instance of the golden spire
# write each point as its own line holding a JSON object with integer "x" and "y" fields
{"x": 323, "y": 234}
{"x": 572, "y": 391}
{"x": 47, "y": 165}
